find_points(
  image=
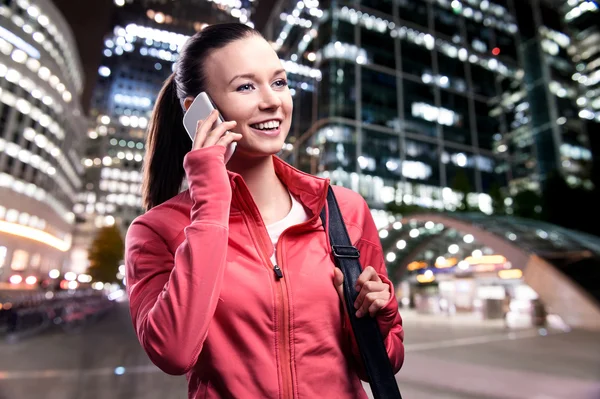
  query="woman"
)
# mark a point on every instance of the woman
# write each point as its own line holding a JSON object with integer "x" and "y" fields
{"x": 218, "y": 290}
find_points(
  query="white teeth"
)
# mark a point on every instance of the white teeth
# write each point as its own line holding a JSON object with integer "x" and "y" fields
{"x": 267, "y": 125}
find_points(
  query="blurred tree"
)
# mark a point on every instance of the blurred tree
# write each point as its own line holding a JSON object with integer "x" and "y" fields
{"x": 461, "y": 184}
{"x": 405, "y": 209}
{"x": 556, "y": 195}
{"x": 570, "y": 207}
{"x": 105, "y": 254}
{"x": 527, "y": 204}
{"x": 497, "y": 199}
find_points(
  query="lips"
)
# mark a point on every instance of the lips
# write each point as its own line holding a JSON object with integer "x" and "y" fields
{"x": 266, "y": 132}
{"x": 267, "y": 125}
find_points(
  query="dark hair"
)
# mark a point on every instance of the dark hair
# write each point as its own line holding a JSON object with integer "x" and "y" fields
{"x": 167, "y": 142}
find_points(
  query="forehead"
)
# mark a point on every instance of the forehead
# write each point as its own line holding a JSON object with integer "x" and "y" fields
{"x": 251, "y": 55}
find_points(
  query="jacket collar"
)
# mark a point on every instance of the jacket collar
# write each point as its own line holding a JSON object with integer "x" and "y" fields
{"x": 310, "y": 190}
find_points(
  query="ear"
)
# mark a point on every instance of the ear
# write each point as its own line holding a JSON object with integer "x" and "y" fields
{"x": 187, "y": 102}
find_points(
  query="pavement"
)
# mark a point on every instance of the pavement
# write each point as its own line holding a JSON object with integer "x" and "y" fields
{"x": 457, "y": 357}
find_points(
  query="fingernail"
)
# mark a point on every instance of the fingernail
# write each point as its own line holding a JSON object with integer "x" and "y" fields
{"x": 358, "y": 313}
{"x": 357, "y": 288}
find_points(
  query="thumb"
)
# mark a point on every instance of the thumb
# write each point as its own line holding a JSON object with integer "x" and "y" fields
{"x": 338, "y": 281}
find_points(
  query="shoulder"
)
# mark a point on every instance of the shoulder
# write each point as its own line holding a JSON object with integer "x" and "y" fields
{"x": 355, "y": 211}
{"x": 164, "y": 222}
{"x": 350, "y": 202}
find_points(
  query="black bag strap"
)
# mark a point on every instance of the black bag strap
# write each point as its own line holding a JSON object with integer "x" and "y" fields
{"x": 366, "y": 330}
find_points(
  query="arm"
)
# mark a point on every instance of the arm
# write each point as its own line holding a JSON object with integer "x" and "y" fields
{"x": 388, "y": 317}
{"x": 173, "y": 297}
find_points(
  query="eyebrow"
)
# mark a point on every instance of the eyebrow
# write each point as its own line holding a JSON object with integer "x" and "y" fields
{"x": 252, "y": 76}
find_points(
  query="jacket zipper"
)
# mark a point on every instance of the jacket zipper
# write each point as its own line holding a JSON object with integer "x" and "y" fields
{"x": 285, "y": 351}
{"x": 282, "y": 308}
{"x": 283, "y": 311}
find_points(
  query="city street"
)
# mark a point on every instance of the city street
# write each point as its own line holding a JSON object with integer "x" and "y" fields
{"x": 446, "y": 358}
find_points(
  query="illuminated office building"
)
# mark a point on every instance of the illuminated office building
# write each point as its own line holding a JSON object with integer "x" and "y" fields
{"x": 139, "y": 55}
{"x": 416, "y": 101}
{"x": 40, "y": 124}
{"x": 583, "y": 21}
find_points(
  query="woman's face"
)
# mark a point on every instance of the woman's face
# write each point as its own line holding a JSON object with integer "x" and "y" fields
{"x": 248, "y": 84}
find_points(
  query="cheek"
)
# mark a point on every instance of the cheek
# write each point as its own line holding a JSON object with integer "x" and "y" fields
{"x": 288, "y": 105}
{"x": 239, "y": 111}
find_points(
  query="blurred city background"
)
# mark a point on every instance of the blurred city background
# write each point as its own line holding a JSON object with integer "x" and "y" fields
{"x": 471, "y": 127}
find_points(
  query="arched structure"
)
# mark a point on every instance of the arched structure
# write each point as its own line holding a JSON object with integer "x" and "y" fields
{"x": 497, "y": 254}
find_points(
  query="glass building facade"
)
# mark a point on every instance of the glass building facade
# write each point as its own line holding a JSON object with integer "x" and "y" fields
{"x": 41, "y": 122}
{"x": 418, "y": 101}
{"x": 138, "y": 56}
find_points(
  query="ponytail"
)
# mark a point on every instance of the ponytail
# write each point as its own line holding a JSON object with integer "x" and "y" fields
{"x": 167, "y": 144}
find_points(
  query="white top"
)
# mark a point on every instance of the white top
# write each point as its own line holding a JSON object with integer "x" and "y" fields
{"x": 296, "y": 216}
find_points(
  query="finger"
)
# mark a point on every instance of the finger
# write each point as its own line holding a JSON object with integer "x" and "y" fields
{"x": 199, "y": 137}
{"x": 369, "y": 274}
{"x": 229, "y": 138}
{"x": 204, "y": 126}
{"x": 369, "y": 286}
{"x": 338, "y": 282}
{"x": 370, "y": 299}
{"x": 215, "y": 135}
{"x": 376, "y": 306}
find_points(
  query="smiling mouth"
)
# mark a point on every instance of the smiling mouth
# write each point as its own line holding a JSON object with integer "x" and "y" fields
{"x": 267, "y": 126}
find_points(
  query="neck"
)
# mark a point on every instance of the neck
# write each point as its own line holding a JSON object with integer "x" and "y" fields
{"x": 269, "y": 193}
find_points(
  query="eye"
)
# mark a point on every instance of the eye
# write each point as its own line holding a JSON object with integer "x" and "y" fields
{"x": 281, "y": 83}
{"x": 246, "y": 87}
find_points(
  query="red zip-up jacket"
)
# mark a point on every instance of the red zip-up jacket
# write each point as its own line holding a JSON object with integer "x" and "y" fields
{"x": 205, "y": 300}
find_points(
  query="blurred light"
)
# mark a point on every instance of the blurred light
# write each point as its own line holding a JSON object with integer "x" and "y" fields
{"x": 390, "y": 257}
{"x": 468, "y": 238}
{"x": 54, "y": 273}
{"x": 16, "y": 279}
{"x": 414, "y": 233}
{"x": 19, "y": 43}
{"x": 426, "y": 277}
{"x": 397, "y": 225}
{"x": 429, "y": 225}
{"x": 496, "y": 50}
{"x": 31, "y": 280}
{"x": 487, "y": 259}
{"x": 477, "y": 253}
{"x": 104, "y": 71}
{"x": 401, "y": 244}
{"x": 84, "y": 278}
{"x": 120, "y": 370}
{"x": 416, "y": 266}
{"x": 453, "y": 249}
{"x": 383, "y": 234}
{"x": 70, "y": 276}
{"x": 36, "y": 235}
{"x": 98, "y": 285}
{"x": 463, "y": 265}
{"x": 72, "y": 285}
{"x": 443, "y": 263}
{"x": 510, "y": 274}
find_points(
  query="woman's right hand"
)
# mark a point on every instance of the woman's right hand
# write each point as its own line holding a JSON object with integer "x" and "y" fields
{"x": 220, "y": 135}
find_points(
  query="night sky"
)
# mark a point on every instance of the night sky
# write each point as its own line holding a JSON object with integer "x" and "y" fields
{"x": 89, "y": 20}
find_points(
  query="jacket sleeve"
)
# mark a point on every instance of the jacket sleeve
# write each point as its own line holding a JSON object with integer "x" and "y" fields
{"x": 173, "y": 296}
{"x": 388, "y": 318}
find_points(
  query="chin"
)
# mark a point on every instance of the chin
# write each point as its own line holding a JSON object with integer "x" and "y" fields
{"x": 260, "y": 149}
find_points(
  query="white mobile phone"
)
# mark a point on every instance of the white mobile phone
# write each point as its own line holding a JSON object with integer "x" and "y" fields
{"x": 201, "y": 108}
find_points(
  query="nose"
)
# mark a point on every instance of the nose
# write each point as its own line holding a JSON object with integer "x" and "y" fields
{"x": 270, "y": 100}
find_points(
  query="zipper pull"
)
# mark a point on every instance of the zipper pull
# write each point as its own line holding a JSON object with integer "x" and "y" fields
{"x": 278, "y": 271}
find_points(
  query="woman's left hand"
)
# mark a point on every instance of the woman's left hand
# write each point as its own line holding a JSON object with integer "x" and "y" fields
{"x": 373, "y": 295}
